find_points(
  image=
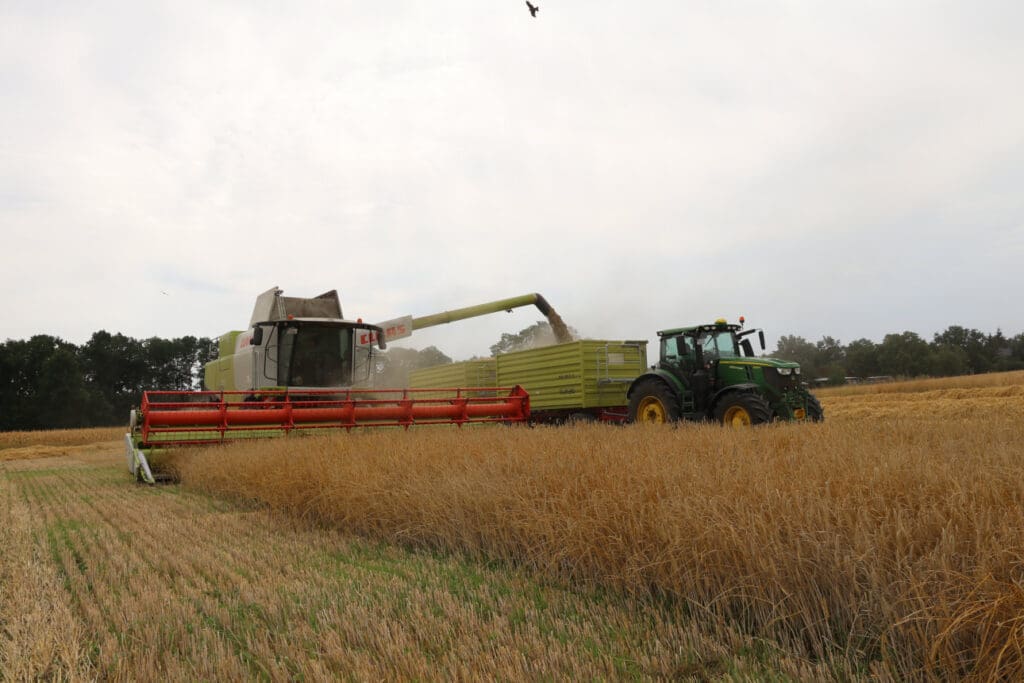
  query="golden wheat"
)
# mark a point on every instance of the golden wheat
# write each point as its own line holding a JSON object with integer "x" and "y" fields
{"x": 59, "y": 437}
{"x": 993, "y": 379}
{"x": 892, "y": 542}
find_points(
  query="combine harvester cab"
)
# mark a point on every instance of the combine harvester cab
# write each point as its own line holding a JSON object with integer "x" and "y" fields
{"x": 300, "y": 367}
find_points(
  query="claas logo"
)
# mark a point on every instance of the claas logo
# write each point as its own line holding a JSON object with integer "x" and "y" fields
{"x": 369, "y": 337}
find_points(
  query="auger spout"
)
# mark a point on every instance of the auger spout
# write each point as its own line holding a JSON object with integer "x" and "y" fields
{"x": 558, "y": 326}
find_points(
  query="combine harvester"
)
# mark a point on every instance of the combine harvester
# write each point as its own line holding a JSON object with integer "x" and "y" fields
{"x": 301, "y": 367}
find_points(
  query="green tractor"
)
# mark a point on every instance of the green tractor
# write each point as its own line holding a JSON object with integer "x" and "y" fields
{"x": 710, "y": 372}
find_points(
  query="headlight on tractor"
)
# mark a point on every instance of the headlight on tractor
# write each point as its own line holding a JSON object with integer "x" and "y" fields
{"x": 785, "y": 371}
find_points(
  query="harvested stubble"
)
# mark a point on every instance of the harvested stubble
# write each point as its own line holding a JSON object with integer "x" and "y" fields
{"x": 54, "y": 442}
{"x": 889, "y": 546}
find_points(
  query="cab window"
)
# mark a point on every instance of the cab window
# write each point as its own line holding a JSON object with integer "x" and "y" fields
{"x": 676, "y": 348}
{"x": 719, "y": 345}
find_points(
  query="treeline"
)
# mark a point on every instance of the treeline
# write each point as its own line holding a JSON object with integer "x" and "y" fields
{"x": 48, "y": 383}
{"x": 956, "y": 351}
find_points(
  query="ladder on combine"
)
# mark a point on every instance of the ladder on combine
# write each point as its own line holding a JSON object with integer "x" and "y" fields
{"x": 172, "y": 419}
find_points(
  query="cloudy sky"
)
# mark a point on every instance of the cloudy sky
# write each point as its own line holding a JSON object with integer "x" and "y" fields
{"x": 841, "y": 168}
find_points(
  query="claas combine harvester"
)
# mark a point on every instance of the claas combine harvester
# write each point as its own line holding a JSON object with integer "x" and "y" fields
{"x": 299, "y": 367}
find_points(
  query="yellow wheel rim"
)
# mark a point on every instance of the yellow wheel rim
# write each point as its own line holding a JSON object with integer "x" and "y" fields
{"x": 651, "y": 411}
{"x": 736, "y": 416}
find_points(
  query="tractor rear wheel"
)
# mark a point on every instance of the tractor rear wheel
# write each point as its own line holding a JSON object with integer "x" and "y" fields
{"x": 742, "y": 409}
{"x": 815, "y": 413}
{"x": 653, "y": 403}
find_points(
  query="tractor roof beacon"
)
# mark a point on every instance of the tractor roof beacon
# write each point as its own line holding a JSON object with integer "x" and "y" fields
{"x": 710, "y": 372}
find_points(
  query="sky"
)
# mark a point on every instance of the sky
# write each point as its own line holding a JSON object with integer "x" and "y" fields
{"x": 838, "y": 168}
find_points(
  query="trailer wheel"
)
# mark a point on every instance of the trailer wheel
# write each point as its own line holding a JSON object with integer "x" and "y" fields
{"x": 741, "y": 409}
{"x": 653, "y": 403}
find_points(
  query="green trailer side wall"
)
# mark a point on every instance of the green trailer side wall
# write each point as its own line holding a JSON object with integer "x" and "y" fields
{"x": 589, "y": 373}
{"x": 470, "y": 373}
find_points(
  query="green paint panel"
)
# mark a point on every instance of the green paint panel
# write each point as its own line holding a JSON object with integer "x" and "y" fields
{"x": 219, "y": 374}
{"x": 590, "y": 373}
{"x": 470, "y": 373}
{"x": 226, "y": 343}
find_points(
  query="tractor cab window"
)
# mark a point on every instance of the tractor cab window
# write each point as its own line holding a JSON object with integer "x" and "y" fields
{"x": 719, "y": 345}
{"x": 676, "y": 349}
{"x": 679, "y": 351}
{"x": 315, "y": 356}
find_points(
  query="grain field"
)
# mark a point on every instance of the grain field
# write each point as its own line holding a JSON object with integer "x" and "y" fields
{"x": 105, "y": 579}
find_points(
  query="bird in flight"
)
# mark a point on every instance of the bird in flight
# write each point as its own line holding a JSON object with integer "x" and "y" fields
{"x": 533, "y": 8}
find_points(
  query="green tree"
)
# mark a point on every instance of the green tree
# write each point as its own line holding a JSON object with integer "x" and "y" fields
{"x": 905, "y": 355}
{"x": 799, "y": 350}
{"x": 62, "y": 399}
{"x": 1015, "y": 360}
{"x": 830, "y": 359}
{"x": 974, "y": 343}
{"x": 116, "y": 368}
{"x": 862, "y": 358}
{"x": 43, "y": 386}
{"x": 948, "y": 361}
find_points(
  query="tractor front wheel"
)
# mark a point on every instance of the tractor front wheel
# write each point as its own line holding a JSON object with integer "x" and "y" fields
{"x": 814, "y": 410}
{"x": 742, "y": 409}
{"x": 653, "y": 403}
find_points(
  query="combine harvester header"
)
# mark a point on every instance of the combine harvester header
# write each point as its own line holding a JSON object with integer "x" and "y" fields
{"x": 176, "y": 419}
{"x": 302, "y": 367}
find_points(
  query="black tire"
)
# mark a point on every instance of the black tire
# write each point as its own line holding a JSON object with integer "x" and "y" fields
{"x": 653, "y": 402}
{"x": 742, "y": 408}
{"x": 815, "y": 413}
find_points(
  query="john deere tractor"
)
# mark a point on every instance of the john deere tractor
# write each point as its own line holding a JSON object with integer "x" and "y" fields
{"x": 710, "y": 372}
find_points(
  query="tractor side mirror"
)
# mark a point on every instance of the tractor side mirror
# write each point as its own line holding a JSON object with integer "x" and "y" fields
{"x": 257, "y": 336}
{"x": 760, "y": 337}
